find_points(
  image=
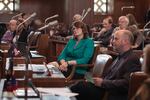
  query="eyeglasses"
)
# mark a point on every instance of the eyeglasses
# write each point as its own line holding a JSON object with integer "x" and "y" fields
{"x": 74, "y": 28}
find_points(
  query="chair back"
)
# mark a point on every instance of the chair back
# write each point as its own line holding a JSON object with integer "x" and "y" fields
{"x": 96, "y": 52}
{"x": 33, "y": 40}
{"x": 102, "y": 62}
{"x": 139, "y": 53}
{"x": 136, "y": 80}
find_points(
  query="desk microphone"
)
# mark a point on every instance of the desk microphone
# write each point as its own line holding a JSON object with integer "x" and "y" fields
{"x": 54, "y": 16}
{"x": 88, "y": 10}
{"x": 31, "y": 16}
{"x": 16, "y": 16}
{"x": 49, "y": 24}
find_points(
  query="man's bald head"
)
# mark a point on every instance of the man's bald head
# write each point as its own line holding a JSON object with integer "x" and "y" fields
{"x": 77, "y": 17}
{"x": 122, "y": 40}
{"x": 126, "y": 35}
{"x": 12, "y": 25}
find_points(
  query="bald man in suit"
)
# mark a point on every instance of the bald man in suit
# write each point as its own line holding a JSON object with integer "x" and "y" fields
{"x": 115, "y": 81}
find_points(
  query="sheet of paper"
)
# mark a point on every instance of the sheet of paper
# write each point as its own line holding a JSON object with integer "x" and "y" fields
{"x": 89, "y": 78}
{"x": 57, "y": 91}
{"x": 20, "y": 92}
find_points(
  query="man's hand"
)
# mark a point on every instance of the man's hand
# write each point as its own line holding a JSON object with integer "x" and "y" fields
{"x": 98, "y": 81}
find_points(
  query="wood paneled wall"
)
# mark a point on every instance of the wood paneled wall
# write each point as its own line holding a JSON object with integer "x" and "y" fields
{"x": 67, "y": 8}
{"x": 141, "y": 7}
{"x": 43, "y": 8}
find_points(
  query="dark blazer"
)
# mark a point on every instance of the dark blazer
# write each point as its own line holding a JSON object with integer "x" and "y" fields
{"x": 116, "y": 79}
{"x": 105, "y": 37}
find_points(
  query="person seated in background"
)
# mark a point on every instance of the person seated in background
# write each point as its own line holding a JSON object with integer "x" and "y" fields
{"x": 132, "y": 21}
{"x": 123, "y": 23}
{"x": 10, "y": 33}
{"x": 133, "y": 27}
{"x": 144, "y": 91}
{"x": 76, "y": 18}
{"x": 25, "y": 28}
{"x": 128, "y": 22}
{"x": 115, "y": 80}
{"x": 105, "y": 33}
{"x": 78, "y": 50}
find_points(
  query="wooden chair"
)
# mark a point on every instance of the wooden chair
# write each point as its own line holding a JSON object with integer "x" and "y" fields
{"x": 136, "y": 80}
{"x": 90, "y": 66}
{"x": 33, "y": 40}
{"x": 103, "y": 61}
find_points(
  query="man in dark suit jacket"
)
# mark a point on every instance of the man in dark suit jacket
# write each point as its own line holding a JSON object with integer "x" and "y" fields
{"x": 115, "y": 81}
{"x": 105, "y": 33}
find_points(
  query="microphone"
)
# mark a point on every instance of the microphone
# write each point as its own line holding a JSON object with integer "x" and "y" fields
{"x": 31, "y": 16}
{"x": 146, "y": 24}
{"x": 147, "y": 29}
{"x": 16, "y": 16}
{"x": 49, "y": 24}
{"x": 54, "y": 16}
{"x": 127, "y": 7}
{"x": 88, "y": 10}
{"x": 83, "y": 12}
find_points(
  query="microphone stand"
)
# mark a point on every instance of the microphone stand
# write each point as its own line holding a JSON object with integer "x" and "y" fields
{"x": 24, "y": 49}
{"x": 9, "y": 68}
{"x": 24, "y": 52}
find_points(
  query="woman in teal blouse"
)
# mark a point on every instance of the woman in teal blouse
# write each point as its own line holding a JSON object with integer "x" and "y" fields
{"x": 78, "y": 50}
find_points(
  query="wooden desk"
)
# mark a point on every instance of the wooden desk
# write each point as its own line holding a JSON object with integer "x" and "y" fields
{"x": 17, "y": 60}
{"x": 39, "y": 75}
{"x": 4, "y": 46}
{"x": 5, "y": 95}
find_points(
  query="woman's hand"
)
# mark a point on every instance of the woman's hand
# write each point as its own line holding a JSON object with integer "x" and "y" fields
{"x": 63, "y": 66}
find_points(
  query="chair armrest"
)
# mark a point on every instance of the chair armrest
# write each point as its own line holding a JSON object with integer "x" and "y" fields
{"x": 84, "y": 65}
{"x": 74, "y": 68}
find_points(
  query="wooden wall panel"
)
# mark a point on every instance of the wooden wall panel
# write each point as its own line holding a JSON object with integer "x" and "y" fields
{"x": 43, "y": 8}
{"x": 67, "y": 8}
{"x": 76, "y": 7}
{"x": 139, "y": 11}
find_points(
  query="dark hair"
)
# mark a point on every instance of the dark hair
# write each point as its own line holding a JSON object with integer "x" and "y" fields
{"x": 110, "y": 19}
{"x": 132, "y": 20}
{"x": 79, "y": 24}
{"x": 23, "y": 14}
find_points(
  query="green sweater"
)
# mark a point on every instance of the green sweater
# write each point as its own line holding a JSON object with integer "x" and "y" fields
{"x": 82, "y": 52}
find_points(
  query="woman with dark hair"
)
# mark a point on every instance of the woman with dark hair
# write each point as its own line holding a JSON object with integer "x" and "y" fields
{"x": 132, "y": 20}
{"x": 78, "y": 50}
{"x": 133, "y": 27}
